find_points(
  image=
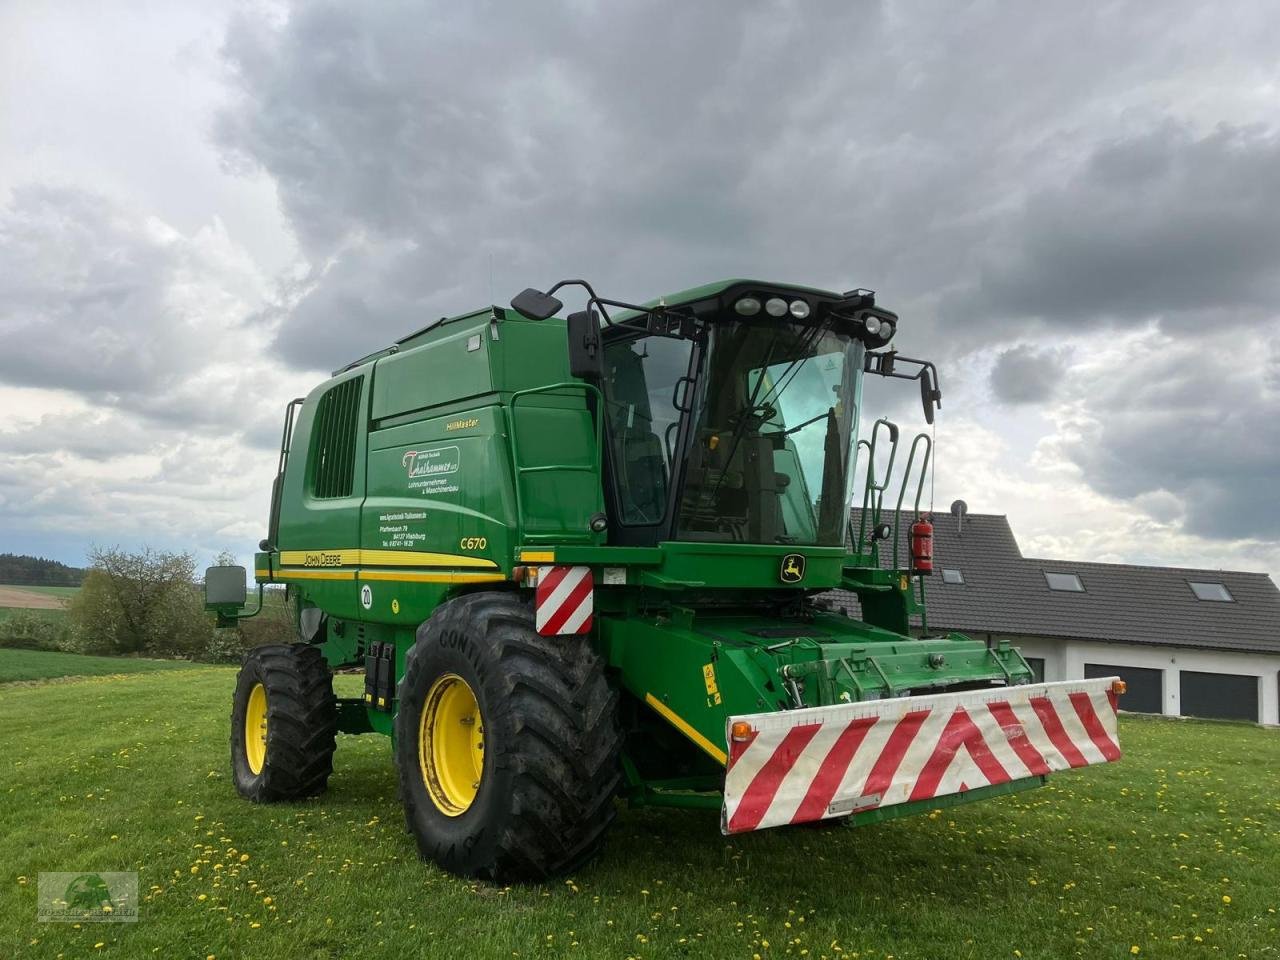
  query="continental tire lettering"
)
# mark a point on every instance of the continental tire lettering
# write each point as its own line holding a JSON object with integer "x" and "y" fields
{"x": 452, "y": 639}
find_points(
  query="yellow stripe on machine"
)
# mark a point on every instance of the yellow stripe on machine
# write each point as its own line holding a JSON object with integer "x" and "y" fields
{"x": 314, "y": 575}
{"x": 355, "y": 557}
{"x": 421, "y": 576}
{"x": 537, "y": 556}
{"x": 719, "y": 755}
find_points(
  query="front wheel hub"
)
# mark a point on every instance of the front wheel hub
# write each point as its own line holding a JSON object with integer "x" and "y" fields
{"x": 255, "y": 729}
{"x": 451, "y": 745}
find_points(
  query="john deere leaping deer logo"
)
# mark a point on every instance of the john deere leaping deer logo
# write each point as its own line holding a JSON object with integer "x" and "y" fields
{"x": 430, "y": 463}
{"x": 88, "y": 892}
{"x": 792, "y": 569}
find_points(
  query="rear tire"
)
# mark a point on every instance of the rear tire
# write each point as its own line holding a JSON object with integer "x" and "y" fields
{"x": 550, "y": 744}
{"x": 291, "y": 756}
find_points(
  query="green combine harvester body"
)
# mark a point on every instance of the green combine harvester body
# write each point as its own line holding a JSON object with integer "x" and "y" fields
{"x": 654, "y": 499}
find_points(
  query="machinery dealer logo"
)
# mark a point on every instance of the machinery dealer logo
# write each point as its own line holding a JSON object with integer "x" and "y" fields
{"x": 87, "y": 898}
{"x": 792, "y": 568}
{"x": 430, "y": 463}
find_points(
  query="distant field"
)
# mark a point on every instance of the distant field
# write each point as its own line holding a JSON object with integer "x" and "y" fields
{"x": 46, "y": 664}
{"x": 35, "y": 598}
{"x": 63, "y": 592}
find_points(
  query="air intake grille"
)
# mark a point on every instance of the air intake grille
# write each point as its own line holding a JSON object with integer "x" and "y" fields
{"x": 333, "y": 450}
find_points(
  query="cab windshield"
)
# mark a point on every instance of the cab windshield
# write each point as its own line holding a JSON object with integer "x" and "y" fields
{"x": 771, "y": 411}
{"x": 775, "y": 415}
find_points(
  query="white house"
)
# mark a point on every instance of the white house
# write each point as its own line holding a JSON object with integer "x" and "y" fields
{"x": 1203, "y": 643}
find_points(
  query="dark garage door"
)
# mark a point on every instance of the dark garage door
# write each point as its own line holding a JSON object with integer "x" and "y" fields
{"x": 1225, "y": 696}
{"x": 1144, "y": 694}
{"x": 1037, "y": 668}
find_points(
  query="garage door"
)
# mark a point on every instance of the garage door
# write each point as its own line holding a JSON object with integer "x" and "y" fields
{"x": 1144, "y": 694}
{"x": 1037, "y": 668}
{"x": 1225, "y": 696}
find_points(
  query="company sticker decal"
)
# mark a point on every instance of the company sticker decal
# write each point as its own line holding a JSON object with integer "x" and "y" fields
{"x": 431, "y": 471}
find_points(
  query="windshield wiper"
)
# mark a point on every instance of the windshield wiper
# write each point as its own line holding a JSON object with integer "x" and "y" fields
{"x": 798, "y": 427}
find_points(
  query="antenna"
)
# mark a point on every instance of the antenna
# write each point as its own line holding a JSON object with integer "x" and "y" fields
{"x": 958, "y": 509}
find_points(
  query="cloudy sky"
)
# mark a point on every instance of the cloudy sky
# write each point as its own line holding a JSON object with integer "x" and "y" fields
{"x": 1075, "y": 207}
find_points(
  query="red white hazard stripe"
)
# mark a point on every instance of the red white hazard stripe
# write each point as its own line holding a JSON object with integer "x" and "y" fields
{"x": 822, "y": 762}
{"x": 563, "y": 602}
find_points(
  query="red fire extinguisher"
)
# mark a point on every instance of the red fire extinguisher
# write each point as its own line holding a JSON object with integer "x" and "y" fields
{"x": 922, "y": 547}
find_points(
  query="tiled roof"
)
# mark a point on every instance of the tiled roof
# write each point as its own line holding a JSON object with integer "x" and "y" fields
{"x": 1005, "y": 592}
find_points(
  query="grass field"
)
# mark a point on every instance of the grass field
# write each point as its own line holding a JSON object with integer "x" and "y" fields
{"x": 49, "y": 614}
{"x": 1173, "y": 852}
{"x": 64, "y": 592}
{"x": 46, "y": 664}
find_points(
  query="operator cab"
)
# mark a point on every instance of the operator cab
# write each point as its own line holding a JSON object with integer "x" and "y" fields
{"x": 730, "y": 411}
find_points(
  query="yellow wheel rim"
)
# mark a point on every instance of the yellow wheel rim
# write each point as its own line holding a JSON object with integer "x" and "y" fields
{"x": 255, "y": 729}
{"x": 451, "y": 745}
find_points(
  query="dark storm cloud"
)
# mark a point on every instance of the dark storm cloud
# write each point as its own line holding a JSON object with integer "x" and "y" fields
{"x": 1197, "y": 423}
{"x": 1025, "y": 374}
{"x": 1159, "y": 224}
{"x": 431, "y": 157}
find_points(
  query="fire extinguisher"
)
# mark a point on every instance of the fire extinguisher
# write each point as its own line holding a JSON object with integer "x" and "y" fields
{"x": 922, "y": 547}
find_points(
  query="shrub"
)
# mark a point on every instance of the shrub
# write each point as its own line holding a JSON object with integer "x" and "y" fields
{"x": 140, "y": 603}
{"x": 34, "y": 631}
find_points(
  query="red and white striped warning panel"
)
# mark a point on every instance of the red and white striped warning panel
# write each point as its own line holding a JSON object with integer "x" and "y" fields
{"x": 563, "y": 601}
{"x": 821, "y": 762}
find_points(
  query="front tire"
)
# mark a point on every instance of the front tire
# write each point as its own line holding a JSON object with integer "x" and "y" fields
{"x": 507, "y": 743}
{"x": 284, "y": 723}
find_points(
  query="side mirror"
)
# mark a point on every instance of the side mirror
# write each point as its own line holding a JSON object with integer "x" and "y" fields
{"x": 535, "y": 304}
{"x": 224, "y": 589}
{"x": 585, "y": 358}
{"x": 930, "y": 395}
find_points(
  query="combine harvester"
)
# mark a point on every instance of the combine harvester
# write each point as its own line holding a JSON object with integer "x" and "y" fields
{"x": 581, "y": 558}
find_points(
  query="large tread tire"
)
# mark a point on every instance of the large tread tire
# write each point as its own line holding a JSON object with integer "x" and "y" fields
{"x": 552, "y": 762}
{"x": 302, "y": 723}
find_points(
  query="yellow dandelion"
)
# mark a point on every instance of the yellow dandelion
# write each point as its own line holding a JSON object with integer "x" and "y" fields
{"x": 1225, "y": 898}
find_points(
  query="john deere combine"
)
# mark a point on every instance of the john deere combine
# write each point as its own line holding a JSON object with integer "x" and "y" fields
{"x": 582, "y": 558}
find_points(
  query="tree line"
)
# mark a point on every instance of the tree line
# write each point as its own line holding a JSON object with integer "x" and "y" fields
{"x": 21, "y": 570}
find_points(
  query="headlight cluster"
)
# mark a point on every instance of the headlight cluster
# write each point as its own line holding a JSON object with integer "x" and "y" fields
{"x": 774, "y": 307}
{"x": 879, "y": 328}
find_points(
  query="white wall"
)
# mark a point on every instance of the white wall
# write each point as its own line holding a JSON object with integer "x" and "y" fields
{"x": 1065, "y": 660}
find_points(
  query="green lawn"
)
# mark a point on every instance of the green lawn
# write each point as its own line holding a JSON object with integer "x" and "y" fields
{"x": 44, "y": 664}
{"x": 131, "y": 774}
